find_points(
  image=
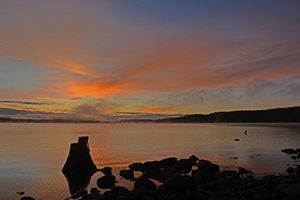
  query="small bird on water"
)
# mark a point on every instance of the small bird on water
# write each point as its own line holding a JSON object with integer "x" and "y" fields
{"x": 245, "y": 132}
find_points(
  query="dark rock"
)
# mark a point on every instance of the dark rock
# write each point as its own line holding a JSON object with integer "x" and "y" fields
{"x": 291, "y": 189}
{"x": 155, "y": 165}
{"x": 127, "y": 174}
{"x": 144, "y": 182}
{"x": 205, "y": 164}
{"x": 20, "y": 193}
{"x": 27, "y": 198}
{"x": 168, "y": 162}
{"x": 294, "y": 157}
{"x": 290, "y": 170}
{"x": 137, "y": 166}
{"x": 106, "y": 182}
{"x": 289, "y": 151}
{"x": 106, "y": 170}
{"x": 203, "y": 176}
{"x": 179, "y": 183}
{"x": 236, "y": 139}
{"x": 94, "y": 191}
{"x": 158, "y": 175}
{"x": 194, "y": 159}
{"x": 184, "y": 166}
{"x": 244, "y": 171}
{"x": 120, "y": 190}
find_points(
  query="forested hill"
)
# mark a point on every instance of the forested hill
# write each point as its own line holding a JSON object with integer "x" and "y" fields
{"x": 290, "y": 114}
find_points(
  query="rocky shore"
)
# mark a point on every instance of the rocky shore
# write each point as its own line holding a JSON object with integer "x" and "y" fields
{"x": 193, "y": 179}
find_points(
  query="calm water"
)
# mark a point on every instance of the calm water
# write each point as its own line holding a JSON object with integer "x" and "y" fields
{"x": 32, "y": 155}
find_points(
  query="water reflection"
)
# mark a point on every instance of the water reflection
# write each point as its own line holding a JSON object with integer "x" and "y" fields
{"x": 78, "y": 183}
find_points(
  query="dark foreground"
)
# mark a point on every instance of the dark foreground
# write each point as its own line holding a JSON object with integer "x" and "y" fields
{"x": 193, "y": 178}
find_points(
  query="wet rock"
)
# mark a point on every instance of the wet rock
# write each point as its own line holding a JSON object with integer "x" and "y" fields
{"x": 203, "y": 176}
{"x": 184, "y": 166}
{"x": 168, "y": 162}
{"x": 294, "y": 157}
{"x": 158, "y": 175}
{"x": 120, "y": 190}
{"x": 291, "y": 189}
{"x": 106, "y": 171}
{"x": 27, "y": 198}
{"x": 244, "y": 171}
{"x": 290, "y": 170}
{"x": 138, "y": 166}
{"x": 127, "y": 174}
{"x": 289, "y": 151}
{"x": 205, "y": 164}
{"x": 106, "y": 182}
{"x": 94, "y": 191}
{"x": 144, "y": 182}
{"x": 154, "y": 165}
{"x": 179, "y": 183}
{"x": 194, "y": 159}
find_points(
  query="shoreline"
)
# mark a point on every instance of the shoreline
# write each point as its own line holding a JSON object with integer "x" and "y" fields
{"x": 187, "y": 179}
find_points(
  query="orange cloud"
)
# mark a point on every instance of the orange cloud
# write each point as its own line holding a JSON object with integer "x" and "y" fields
{"x": 164, "y": 109}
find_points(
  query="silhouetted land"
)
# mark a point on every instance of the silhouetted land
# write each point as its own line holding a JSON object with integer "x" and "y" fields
{"x": 276, "y": 115}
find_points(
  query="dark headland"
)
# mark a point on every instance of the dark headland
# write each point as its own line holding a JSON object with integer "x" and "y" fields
{"x": 276, "y": 115}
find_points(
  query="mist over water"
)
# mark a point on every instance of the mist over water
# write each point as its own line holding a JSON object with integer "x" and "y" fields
{"x": 32, "y": 155}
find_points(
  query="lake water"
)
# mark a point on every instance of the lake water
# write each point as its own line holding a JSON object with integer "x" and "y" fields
{"x": 32, "y": 155}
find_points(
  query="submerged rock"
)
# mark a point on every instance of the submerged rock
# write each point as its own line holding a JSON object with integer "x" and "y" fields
{"x": 289, "y": 151}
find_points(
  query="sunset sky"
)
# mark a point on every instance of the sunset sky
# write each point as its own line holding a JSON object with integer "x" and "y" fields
{"x": 117, "y": 59}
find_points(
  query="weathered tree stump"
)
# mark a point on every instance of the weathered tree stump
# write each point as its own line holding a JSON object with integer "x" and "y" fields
{"x": 79, "y": 161}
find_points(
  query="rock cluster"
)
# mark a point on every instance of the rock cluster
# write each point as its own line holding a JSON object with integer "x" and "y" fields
{"x": 193, "y": 179}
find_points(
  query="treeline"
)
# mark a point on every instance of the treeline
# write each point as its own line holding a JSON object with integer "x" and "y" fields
{"x": 290, "y": 114}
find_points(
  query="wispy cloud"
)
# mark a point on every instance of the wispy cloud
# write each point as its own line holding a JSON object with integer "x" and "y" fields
{"x": 25, "y": 102}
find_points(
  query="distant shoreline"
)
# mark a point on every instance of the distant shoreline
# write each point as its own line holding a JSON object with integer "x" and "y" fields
{"x": 276, "y": 115}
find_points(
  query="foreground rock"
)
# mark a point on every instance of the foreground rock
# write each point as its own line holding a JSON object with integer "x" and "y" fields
{"x": 206, "y": 181}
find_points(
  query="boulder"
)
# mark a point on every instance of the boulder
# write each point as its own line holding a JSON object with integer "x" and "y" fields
{"x": 127, "y": 174}
{"x": 203, "y": 176}
{"x": 106, "y": 182}
{"x": 205, "y": 164}
{"x": 138, "y": 166}
{"x": 158, "y": 175}
{"x": 168, "y": 162}
{"x": 144, "y": 182}
{"x": 155, "y": 165}
{"x": 179, "y": 183}
{"x": 194, "y": 159}
{"x": 184, "y": 166}
{"x": 106, "y": 170}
